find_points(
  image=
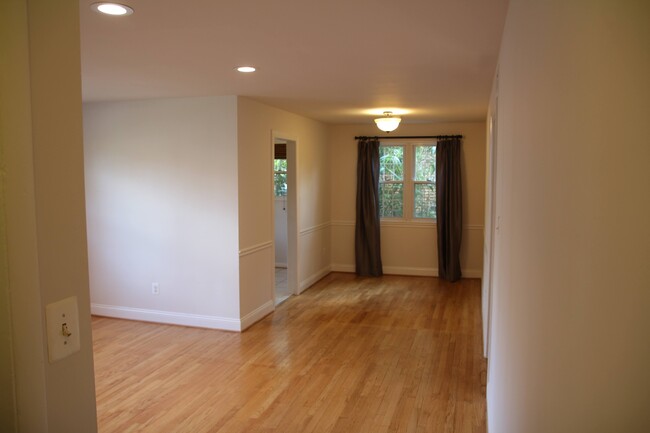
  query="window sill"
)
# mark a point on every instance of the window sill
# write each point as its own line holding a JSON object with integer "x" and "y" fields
{"x": 404, "y": 223}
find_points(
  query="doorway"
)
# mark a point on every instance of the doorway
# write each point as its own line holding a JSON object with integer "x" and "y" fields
{"x": 284, "y": 217}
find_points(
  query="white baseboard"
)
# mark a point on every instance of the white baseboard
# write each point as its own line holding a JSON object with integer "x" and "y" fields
{"x": 258, "y": 314}
{"x": 403, "y": 270}
{"x": 168, "y": 317}
{"x": 307, "y": 283}
{"x": 411, "y": 271}
{"x": 337, "y": 267}
{"x": 472, "y": 273}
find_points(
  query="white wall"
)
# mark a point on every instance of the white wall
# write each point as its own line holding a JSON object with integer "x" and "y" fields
{"x": 570, "y": 345}
{"x": 41, "y": 164}
{"x": 408, "y": 248}
{"x": 161, "y": 187}
{"x": 256, "y": 122}
{"x": 280, "y": 218}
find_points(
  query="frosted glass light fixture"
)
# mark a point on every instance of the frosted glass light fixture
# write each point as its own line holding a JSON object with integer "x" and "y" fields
{"x": 112, "y": 8}
{"x": 388, "y": 123}
{"x": 246, "y": 69}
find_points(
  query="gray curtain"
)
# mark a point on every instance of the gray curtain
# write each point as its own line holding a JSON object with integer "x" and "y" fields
{"x": 366, "y": 236}
{"x": 449, "y": 208}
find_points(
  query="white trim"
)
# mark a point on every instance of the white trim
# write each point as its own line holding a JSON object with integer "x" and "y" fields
{"x": 411, "y": 271}
{"x": 168, "y": 317}
{"x": 398, "y": 223}
{"x": 315, "y": 228}
{"x": 427, "y": 272}
{"x": 255, "y": 248}
{"x": 308, "y": 282}
{"x": 257, "y": 314}
{"x": 472, "y": 273}
{"x": 426, "y": 224}
{"x": 339, "y": 267}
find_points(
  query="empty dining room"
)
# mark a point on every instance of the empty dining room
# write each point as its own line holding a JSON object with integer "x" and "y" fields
{"x": 467, "y": 206}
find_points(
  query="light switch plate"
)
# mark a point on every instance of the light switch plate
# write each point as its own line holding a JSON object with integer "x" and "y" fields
{"x": 62, "y": 319}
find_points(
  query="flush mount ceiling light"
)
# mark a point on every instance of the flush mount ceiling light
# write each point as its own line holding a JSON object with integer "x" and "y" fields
{"x": 112, "y": 8}
{"x": 388, "y": 123}
{"x": 246, "y": 69}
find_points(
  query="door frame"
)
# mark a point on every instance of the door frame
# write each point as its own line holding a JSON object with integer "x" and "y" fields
{"x": 292, "y": 209}
{"x": 491, "y": 219}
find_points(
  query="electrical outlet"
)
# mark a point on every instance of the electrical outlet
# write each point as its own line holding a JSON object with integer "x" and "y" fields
{"x": 62, "y": 320}
{"x": 155, "y": 289}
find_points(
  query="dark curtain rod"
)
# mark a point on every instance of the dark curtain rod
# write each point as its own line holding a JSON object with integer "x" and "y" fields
{"x": 360, "y": 137}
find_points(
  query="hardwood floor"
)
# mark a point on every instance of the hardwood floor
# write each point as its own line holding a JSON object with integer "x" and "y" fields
{"x": 351, "y": 354}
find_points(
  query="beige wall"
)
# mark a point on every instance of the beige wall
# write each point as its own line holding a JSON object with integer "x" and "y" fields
{"x": 45, "y": 218}
{"x": 570, "y": 337}
{"x": 162, "y": 207}
{"x": 7, "y": 382}
{"x": 408, "y": 248}
{"x": 256, "y": 122}
{"x": 13, "y": 46}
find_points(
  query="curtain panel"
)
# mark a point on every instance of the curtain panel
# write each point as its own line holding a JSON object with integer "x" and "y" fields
{"x": 449, "y": 208}
{"x": 367, "y": 249}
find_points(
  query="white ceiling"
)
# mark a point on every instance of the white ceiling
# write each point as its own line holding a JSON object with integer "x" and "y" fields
{"x": 330, "y": 60}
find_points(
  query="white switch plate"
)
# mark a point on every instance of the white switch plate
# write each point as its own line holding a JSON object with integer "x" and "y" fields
{"x": 62, "y": 328}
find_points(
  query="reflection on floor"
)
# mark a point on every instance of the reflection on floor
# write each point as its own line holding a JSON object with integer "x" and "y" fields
{"x": 351, "y": 354}
{"x": 281, "y": 285}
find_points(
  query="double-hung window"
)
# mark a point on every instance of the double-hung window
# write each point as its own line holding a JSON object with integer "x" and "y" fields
{"x": 407, "y": 181}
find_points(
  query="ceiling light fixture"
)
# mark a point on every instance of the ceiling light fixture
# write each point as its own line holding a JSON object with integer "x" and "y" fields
{"x": 246, "y": 69}
{"x": 388, "y": 123}
{"x": 112, "y": 8}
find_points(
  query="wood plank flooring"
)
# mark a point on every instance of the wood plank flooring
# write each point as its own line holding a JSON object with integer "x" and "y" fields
{"x": 351, "y": 354}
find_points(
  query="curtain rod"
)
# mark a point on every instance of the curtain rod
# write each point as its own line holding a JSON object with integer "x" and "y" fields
{"x": 405, "y": 136}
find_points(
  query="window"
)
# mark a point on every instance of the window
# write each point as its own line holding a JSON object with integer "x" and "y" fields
{"x": 407, "y": 175}
{"x": 280, "y": 177}
{"x": 424, "y": 182}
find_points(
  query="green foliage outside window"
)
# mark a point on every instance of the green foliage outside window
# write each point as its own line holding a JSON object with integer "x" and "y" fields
{"x": 280, "y": 177}
{"x": 425, "y": 163}
{"x": 425, "y": 186}
{"x": 391, "y": 163}
{"x": 417, "y": 174}
{"x": 391, "y": 181}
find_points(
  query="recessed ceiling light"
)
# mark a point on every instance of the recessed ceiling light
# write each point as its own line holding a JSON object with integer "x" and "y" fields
{"x": 246, "y": 69}
{"x": 112, "y": 8}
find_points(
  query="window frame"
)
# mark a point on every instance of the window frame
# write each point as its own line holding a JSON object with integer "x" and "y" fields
{"x": 408, "y": 182}
{"x": 396, "y": 182}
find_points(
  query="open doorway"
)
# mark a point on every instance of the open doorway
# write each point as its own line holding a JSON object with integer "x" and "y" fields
{"x": 280, "y": 189}
{"x": 284, "y": 217}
